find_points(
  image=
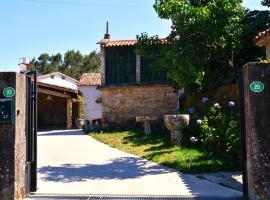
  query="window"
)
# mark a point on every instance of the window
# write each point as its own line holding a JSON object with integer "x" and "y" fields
{"x": 150, "y": 75}
{"x": 120, "y": 65}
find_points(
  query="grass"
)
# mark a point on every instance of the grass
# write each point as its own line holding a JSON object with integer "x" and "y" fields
{"x": 157, "y": 148}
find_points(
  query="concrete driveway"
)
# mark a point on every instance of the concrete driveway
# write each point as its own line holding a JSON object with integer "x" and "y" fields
{"x": 70, "y": 162}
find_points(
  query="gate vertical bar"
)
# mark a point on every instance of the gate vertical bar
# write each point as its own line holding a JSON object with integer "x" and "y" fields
{"x": 243, "y": 134}
{"x": 34, "y": 128}
{"x": 29, "y": 137}
{"x": 31, "y": 133}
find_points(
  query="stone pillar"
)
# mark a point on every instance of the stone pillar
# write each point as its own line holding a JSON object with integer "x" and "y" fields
{"x": 12, "y": 140}
{"x": 257, "y": 122}
{"x": 102, "y": 65}
{"x": 69, "y": 113}
{"x": 138, "y": 69}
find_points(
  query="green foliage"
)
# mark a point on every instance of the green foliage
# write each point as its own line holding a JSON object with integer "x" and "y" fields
{"x": 204, "y": 36}
{"x": 81, "y": 102}
{"x": 73, "y": 63}
{"x": 254, "y": 22}
{"x": 266, "y": 3}
{"x": 217, "y": 129}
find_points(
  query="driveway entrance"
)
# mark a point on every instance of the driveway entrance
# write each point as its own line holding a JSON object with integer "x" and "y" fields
{"x": 70, "y": 162}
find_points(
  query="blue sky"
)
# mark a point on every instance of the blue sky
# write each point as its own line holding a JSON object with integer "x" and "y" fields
{"x": 31, "y": 27}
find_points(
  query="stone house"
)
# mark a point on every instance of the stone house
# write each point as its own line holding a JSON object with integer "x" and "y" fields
{"x": 88, "y": 88}
{"x": 130, "y": 87}
{"x": 55, "y": 105}
{"x": 263, "y": 39}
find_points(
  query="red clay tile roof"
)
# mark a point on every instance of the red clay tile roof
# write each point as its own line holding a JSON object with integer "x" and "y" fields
{"x": 262, "y": 38}
{"x": 90, "y": 79}
{"x": 120, "y": 43}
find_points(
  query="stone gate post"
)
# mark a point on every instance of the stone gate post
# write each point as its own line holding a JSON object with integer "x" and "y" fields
{"x": 257, "y": 122}
{"x": 12, "y": 135}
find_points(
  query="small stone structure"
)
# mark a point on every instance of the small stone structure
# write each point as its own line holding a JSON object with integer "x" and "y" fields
{"x": 12, "y": 141}
{"x": 176, "y": 124}
{"x": 257, "y": 122}
{"x": 129, "y": 85}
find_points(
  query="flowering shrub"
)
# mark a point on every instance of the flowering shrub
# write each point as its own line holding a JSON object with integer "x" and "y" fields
{"x": 217, "y": 128}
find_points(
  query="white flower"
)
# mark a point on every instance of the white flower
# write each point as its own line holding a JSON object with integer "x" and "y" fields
{"x": 199, "y": 121}
{"x": 193, "y": 139}
{"x": 216, "y": 105}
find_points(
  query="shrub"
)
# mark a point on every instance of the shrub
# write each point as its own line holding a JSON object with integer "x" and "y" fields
{"x": 217, "y": 128}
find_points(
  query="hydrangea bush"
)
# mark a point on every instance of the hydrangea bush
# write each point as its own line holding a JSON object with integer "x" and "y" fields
{"x": 216, "y": 127}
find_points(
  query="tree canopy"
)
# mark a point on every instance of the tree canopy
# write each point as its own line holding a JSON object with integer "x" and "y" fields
{"x": 72, "y": 63}
{"x": 202, "y": 41}
{"x": 209, "y": 41}
{"x": 266, "y": 3}
{"x": 254, "y": 22}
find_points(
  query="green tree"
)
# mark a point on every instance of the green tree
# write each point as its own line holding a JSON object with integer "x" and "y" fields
{"x": 91, "y": 62}
{"x": 73, "y": 61}
{"x": 254, "y": 22}
{"x": 44, "y": 64}
{"x": 202, "y": 41}
{"x": 56, "y": 61}
{"x": 266, "y": 3}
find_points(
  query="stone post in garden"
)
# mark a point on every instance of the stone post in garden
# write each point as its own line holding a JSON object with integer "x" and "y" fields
{"x": 256, "y": 89}
{"x": 12, "y": 135}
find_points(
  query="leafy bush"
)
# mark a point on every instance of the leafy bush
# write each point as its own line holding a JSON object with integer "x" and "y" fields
{"x": 80, "y": 101}
{"x": 216, "y": 128}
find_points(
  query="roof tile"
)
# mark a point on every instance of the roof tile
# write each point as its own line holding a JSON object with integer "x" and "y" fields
{"x": 261, "y": 37}
{"x": 120, "y": 43}
{"x": 90, "y": 79}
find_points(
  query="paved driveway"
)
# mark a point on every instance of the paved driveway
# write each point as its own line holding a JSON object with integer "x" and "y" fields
{"x": 70, "y": 162}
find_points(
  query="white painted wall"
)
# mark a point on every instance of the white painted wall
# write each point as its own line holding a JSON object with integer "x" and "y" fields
{"x": 59, "y": 81}
{"x": 92, "y": 110}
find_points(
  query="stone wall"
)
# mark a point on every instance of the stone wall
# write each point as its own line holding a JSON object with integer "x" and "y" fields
{"x": 121, "y": 105}
{"x": 221, "y": 95}
{"x": 12, "y": 141}
{"x": 20, "y": 140}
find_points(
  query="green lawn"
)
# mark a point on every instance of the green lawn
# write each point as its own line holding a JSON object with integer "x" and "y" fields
{"x": 157, "y": 148}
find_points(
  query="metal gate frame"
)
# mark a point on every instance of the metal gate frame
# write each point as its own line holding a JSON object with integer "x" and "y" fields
{"x": 31, "y": 132}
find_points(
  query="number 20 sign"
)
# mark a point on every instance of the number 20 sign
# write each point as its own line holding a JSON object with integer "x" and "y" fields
{"x": 256, "y": 86}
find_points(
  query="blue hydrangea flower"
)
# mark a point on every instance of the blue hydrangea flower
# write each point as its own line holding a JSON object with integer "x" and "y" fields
{"x": 231, "y": 104}
{"x": 191, "y": 110}
{"x": 205, "y": 99}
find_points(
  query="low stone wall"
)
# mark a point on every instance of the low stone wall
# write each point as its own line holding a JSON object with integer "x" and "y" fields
{"x": 121, "y": 105}
{"x": 221, "y": 95}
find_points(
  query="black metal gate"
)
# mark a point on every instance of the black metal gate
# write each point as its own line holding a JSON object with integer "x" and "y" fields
{"x": 31, "y": 132}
